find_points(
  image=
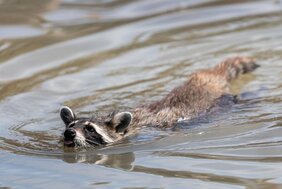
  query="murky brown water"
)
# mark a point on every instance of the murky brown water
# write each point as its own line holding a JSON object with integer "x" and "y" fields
{"x": 105, "y": 55}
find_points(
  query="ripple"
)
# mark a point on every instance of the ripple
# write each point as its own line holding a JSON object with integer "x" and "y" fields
{"x": 12, "y": 31}
{"x": 70, "y": 16}
{"x": 118, "y": 54}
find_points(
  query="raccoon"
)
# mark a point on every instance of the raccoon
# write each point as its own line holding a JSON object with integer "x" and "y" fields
{"x": 203, "y": 91}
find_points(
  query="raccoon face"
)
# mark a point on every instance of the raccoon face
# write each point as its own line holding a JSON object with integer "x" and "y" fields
{"x": 86, "y": 132}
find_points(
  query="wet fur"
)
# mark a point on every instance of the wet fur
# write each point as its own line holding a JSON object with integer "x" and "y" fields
{"x": 202, "y": 93}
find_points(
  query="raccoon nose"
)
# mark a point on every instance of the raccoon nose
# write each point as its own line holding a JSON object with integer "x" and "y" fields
{"x": 69, "y": 133}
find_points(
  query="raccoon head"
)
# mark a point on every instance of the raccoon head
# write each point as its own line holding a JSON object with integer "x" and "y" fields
{"x": 94, "y": 131}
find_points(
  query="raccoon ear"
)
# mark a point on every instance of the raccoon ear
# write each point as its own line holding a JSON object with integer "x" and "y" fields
{"x": 121, "y": 121}
{"x": 67, "y": 115}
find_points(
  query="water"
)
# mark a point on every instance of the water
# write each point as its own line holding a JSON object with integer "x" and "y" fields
{"x": 112, "y": 54}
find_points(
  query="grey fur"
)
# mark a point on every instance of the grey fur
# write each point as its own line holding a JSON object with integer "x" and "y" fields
{"x": 203, "y": 91}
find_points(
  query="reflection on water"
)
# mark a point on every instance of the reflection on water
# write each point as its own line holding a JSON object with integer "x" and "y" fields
{"x": 115, "y": 54}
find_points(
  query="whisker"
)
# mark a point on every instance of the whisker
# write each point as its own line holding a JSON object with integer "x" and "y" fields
{"x": 92, "y": 142}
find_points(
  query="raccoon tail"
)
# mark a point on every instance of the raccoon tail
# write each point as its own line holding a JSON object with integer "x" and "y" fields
{"x": 231, "y": 68}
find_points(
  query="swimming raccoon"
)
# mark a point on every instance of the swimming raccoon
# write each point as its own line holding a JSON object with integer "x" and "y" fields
{"x": 203, "y": 91}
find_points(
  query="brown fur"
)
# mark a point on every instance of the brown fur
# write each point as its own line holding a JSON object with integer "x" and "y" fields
{"x": 205, "y": 91}
{"x": 196, "y": 96}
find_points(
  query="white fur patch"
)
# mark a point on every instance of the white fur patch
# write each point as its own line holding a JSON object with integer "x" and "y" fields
{"x": 72, "y": 123}
{"x": 101, "y": 132}
{"x": 80, "y": 139}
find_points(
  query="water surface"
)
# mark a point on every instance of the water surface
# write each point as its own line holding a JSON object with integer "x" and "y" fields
{"x": 98, "y": 56}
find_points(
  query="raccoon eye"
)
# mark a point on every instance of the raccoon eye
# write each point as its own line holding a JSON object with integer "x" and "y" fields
{"x": 89, "y": 128}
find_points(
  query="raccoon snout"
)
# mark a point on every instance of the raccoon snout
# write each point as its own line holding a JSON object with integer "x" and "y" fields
{"x": 70, "y": 134}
